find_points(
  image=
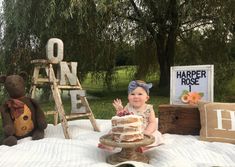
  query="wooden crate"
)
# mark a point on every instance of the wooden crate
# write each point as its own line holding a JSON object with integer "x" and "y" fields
{"x": 179, "y": 119}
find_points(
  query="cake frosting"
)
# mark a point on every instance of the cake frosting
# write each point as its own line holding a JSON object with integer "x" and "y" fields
{"x": 127, "y": 128}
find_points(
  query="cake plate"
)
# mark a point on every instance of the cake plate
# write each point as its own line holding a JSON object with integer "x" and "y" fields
{"x": 128, "y": 152}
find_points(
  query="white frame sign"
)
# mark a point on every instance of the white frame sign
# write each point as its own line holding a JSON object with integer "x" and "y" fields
{"x": 189, "y": 84}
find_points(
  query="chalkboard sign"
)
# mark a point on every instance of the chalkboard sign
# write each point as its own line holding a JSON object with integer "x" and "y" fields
{"x": 189, "y": 84}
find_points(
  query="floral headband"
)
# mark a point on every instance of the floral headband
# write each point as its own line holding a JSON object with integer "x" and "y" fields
{"x": 134, "y": 84}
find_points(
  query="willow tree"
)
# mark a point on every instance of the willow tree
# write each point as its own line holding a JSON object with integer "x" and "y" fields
{"x": 167, "y": 22}
{"x": 90, "y": 30}
{"x": 28, "y": 24}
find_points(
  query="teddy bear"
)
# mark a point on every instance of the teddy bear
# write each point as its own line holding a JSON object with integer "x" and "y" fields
{"x": 21, "y": 116}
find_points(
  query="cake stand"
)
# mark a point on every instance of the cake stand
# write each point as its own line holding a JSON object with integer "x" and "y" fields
{"x": 128, "y": 152}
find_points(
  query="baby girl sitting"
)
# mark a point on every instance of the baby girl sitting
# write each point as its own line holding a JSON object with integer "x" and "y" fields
{"x": 138, "y": 95}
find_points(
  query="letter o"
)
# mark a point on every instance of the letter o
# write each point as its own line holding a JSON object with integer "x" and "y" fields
{"x": 50, "y": 50}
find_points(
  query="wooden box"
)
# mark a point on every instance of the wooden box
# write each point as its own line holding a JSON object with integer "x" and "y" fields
{"x": 179, "y": 119}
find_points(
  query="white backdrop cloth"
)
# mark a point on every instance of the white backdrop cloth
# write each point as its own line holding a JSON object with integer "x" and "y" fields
{"x": 81, "y": 151}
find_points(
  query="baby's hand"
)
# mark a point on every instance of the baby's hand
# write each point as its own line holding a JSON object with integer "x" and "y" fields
{"x": 117, "y": 103}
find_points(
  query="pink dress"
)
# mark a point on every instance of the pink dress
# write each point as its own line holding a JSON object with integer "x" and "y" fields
{"x": 145, "y": 114}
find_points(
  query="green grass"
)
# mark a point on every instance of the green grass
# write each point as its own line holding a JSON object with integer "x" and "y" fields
{"x": 100, "y": 99}
{"x": 102, "y": 105}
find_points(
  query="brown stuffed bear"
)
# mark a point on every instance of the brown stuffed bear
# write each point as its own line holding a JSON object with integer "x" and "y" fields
{"x": 21, "y": 115}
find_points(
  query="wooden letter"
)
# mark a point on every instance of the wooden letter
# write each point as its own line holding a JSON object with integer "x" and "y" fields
{"x": 76, "y": 103}
{"x": 50, "y": 49}
{"x": 67, "y": 75}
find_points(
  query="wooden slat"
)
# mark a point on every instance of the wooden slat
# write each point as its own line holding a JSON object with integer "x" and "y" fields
{"x": 39, "y": 61}
{"x": 78, "y": 115}
{"x": 50, "y": 112}
{"x": 42, "y": 80}
{"x": 68, "y": 87}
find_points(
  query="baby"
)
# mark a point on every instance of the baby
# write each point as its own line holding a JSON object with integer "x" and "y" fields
{"x": 138, "y": 95}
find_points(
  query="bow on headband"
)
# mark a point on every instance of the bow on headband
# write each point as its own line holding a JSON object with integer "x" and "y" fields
{"x": 134, "y": 84}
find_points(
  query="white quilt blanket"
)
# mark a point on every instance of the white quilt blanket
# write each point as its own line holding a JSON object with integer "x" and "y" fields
{"x": 81, "y": 150}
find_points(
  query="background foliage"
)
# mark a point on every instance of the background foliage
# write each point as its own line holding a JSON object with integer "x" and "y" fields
{"x": 103, "y": 34}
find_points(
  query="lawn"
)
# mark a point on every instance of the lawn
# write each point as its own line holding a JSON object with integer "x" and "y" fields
{"x": 100, "y": 99}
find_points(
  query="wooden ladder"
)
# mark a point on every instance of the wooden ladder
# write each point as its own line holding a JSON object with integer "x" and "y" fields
{"x": 88, "y": 112}
{"x": 50, "y": 79}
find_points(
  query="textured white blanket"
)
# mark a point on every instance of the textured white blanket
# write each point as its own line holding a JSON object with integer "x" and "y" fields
{"x": 81, "y": 150}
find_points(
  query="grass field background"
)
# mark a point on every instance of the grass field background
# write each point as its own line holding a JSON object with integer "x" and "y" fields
{"x": 100, "y": 99}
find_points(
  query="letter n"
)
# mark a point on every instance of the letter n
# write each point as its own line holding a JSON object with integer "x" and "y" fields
{"x": 68, "y": 75}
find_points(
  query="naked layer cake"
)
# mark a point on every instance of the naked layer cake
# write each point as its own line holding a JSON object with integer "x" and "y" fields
{"x": 127, "y": 128}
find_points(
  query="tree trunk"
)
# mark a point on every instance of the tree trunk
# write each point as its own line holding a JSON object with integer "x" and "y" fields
{"x": 165, "y": 55}
{"x": 162, "y": 60}
{"x": 166, "y": 43}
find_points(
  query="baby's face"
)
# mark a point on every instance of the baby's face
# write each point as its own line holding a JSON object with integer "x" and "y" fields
{"x": 138, "y": 97}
